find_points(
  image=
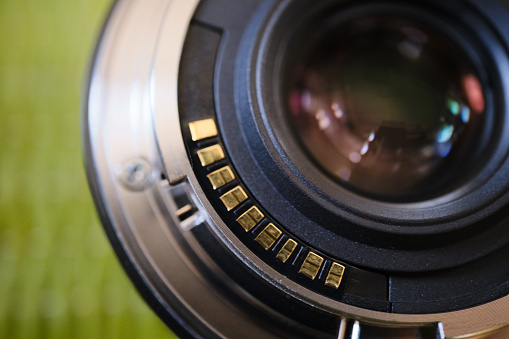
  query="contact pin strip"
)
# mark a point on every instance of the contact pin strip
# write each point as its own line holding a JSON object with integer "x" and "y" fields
{"x": 232, "y": 199}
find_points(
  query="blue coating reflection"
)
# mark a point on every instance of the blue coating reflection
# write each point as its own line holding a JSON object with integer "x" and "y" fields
{"x": 443, "y": 149}
{"x": 445, "y": 134}
{"x": 465, "y": 114}
{"x": 454, "y": 107}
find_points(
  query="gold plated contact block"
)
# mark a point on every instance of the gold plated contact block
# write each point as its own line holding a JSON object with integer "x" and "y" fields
{"x": 250, "y": 219}
{"x": 221, "y": 177}
{"x": 335, "y": 275}
{"x": 210, "y": 155}
{"x": 286, "y": 251}
{"x": 268, "y": 237}
{"x": 203, "y": 129}
{"x": 311, "y": 265}
{"x": 233, "y": 198}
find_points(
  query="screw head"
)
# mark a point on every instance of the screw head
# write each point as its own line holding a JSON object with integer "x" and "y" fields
{"x": 136, "y": 174}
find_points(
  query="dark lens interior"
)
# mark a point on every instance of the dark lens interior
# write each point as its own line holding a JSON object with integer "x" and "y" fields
{"x": 389, "y": 106}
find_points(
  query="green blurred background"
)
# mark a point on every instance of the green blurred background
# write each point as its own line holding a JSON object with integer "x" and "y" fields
{"x": 59, "y": 277}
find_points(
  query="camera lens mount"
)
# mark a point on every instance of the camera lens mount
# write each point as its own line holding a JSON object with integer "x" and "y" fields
{"x": 218, "y": 138}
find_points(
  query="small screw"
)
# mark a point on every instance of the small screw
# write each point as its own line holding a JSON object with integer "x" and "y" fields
{"x": 136, "y": 174}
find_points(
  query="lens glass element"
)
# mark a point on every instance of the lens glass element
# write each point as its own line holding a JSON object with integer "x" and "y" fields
{"x": 389, "y": 106}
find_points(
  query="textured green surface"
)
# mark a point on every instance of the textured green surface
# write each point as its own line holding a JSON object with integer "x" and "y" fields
{"x": 58, "y": 275}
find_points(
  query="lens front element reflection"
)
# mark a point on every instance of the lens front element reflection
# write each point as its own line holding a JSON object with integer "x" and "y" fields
{"x": 387, "y": 105}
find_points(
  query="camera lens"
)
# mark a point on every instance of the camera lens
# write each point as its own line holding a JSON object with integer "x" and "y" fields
{"x": 389, "y": 106}
{"x": 307, "y": 169}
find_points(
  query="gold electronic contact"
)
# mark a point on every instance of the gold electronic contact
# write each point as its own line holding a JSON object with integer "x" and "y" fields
{"x": 311, "y": 265}
{"x": 335, "y": 275}
{"x": 210, "y": 155}
{"x": 268, "y": 236}
{"x": 287, "y": 250}
{"x": 250, "y": 219}
{"x": 203, "y": 129}
{"x": 221, "y": 177}
{"x": 233, "y": 198}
